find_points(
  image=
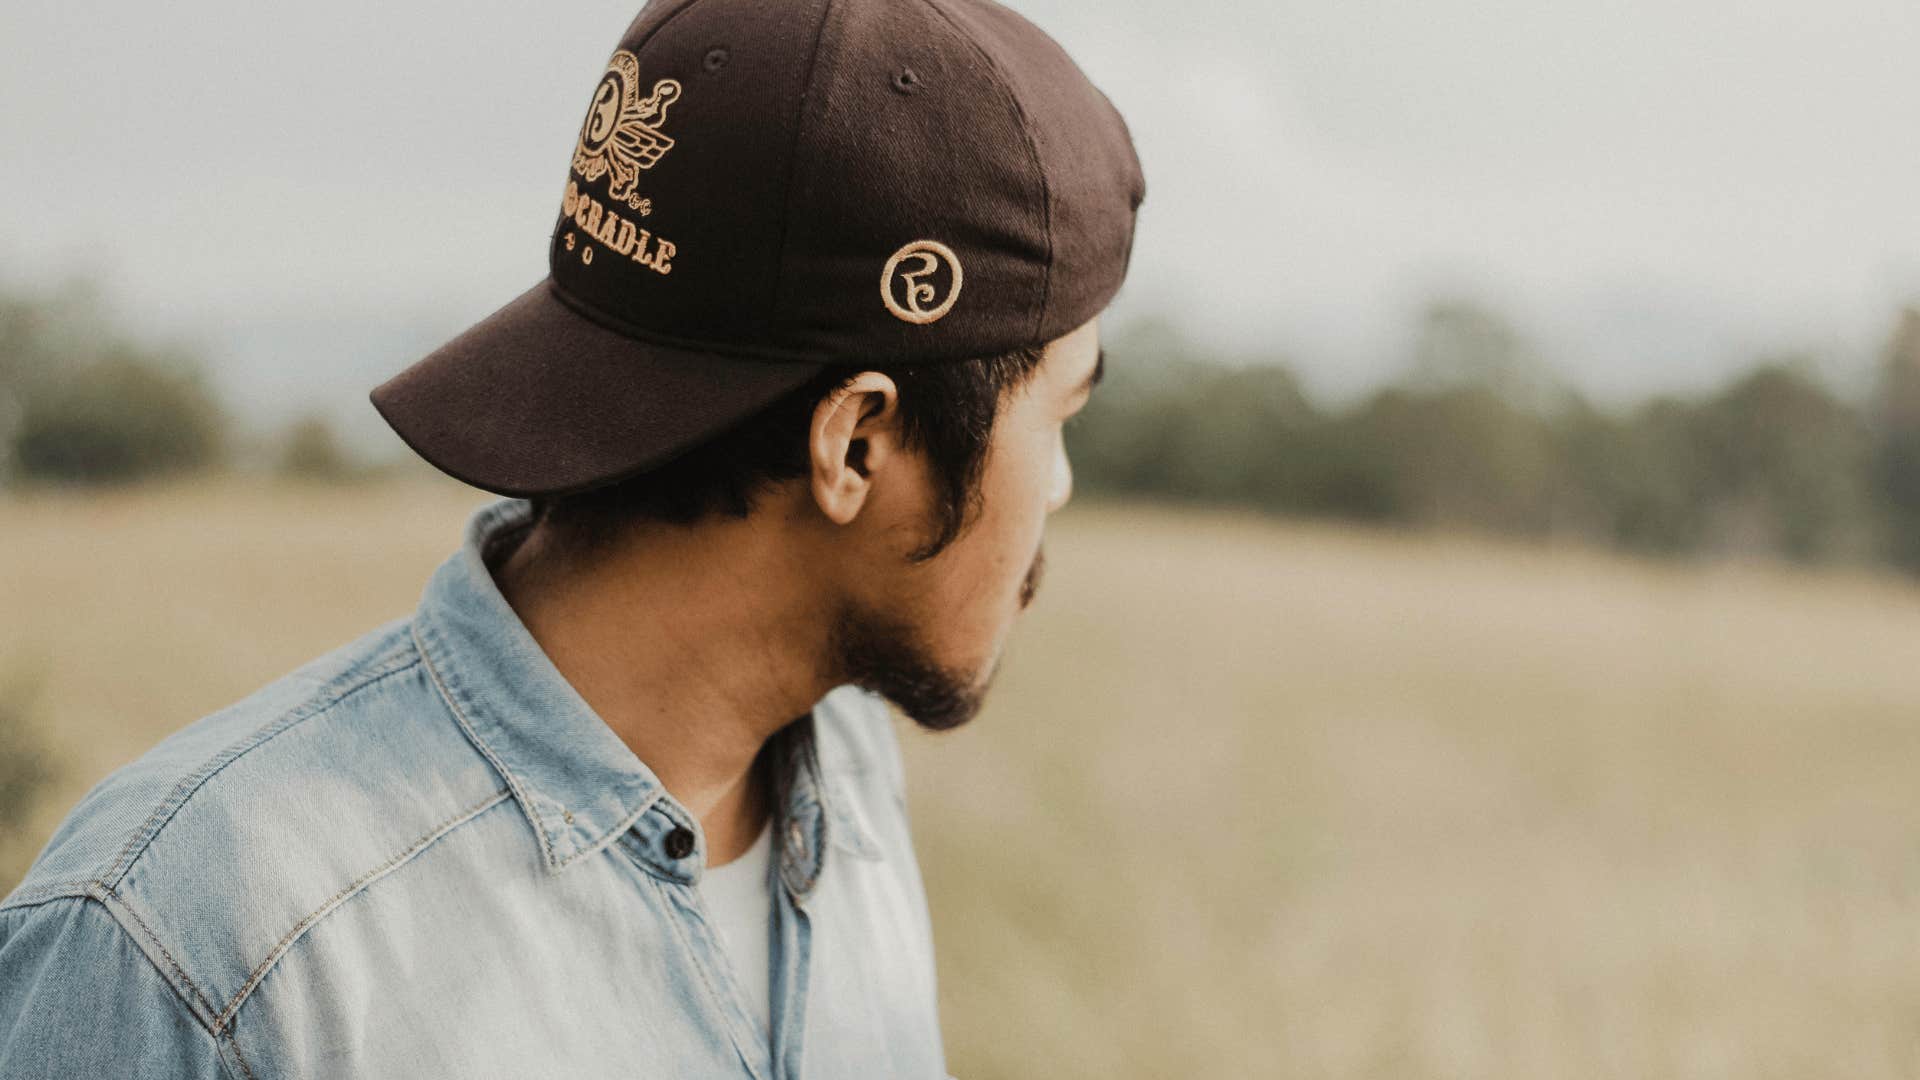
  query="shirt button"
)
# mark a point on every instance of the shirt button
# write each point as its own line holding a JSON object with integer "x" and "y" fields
{"x": 679, "y": 842}
{"x": 797, "y": 839}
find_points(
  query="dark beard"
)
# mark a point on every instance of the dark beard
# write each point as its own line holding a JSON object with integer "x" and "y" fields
{"x": 885, "y": 655}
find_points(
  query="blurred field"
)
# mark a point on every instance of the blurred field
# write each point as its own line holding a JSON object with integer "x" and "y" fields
{"x": 1252, "y": 799}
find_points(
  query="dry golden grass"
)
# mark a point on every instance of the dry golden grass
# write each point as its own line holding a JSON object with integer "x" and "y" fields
{"x": 1251, "y": 799}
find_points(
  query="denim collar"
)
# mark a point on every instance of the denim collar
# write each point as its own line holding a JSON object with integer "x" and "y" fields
{"x": 580, "y": 787}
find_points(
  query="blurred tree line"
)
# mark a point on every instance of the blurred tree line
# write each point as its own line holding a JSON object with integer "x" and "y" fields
{"x": 1475, "y": 434}
{"x": 83, "y": 403}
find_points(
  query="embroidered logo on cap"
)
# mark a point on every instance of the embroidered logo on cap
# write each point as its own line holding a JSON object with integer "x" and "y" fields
{"x": 911, "y": 284}
{"x": 622, "y": 132}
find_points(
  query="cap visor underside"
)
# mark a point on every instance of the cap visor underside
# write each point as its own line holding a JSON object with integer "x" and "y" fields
{"x": 537, "y": 399}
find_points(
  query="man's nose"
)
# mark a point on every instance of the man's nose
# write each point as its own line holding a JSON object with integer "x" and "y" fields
{"x": 1062, "y": 488}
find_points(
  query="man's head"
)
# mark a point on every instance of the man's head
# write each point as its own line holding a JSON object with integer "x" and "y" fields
{"x": 918, "y": 495}
{"x": 836, "y": 262}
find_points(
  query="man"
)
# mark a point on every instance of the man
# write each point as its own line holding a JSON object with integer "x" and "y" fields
{"x": 782, "y": 429}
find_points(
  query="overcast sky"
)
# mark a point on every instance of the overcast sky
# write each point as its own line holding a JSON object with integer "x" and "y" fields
{"x": 1654, "y": 190}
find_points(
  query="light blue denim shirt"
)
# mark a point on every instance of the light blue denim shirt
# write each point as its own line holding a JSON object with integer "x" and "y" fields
{"x": 423, "y": 855}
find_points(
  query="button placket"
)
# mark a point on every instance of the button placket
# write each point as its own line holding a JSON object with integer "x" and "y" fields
{"x": 702, "y": 936}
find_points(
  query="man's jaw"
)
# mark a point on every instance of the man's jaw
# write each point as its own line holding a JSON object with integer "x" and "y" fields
{"x": 887, "y": 656}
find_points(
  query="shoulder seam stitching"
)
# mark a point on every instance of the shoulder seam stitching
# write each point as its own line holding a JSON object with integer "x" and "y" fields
{"x": 245, "y": 1068}
{"x": 101, "y": 894}
{"x": 183, "y": 792}
{"x": 45, "y": 894}
{"x": 286, "y": 943}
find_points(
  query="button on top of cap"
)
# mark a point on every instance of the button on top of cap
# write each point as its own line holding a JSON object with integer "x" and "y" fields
{"x": 678, "y": 842}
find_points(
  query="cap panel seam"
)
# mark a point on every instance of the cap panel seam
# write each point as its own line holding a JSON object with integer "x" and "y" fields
{"x": 655, "y": 32}
{"x": 1033, "y": 156}
{"x": 793, "y": 161}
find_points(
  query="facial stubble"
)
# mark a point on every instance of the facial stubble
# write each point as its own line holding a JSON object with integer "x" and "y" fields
{"x": 889, "y": 656}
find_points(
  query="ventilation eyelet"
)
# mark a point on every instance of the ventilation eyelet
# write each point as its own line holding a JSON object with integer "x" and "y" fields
{"x": 906, "y": 82}
{"x": 716, "y": 59}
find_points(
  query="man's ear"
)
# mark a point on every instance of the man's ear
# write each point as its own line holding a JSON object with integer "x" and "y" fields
{"x": 853, "y": 435}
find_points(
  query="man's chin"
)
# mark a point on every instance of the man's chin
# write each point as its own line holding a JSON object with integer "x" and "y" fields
{"x": 888, "y": 658}
{"x": 941, "y": 704}
{"x": 934, "y": 712}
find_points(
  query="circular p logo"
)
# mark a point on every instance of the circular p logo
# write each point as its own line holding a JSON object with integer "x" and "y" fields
{"x": 921, "y": 281}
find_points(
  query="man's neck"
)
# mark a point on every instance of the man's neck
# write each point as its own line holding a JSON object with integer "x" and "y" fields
{"x": 694, "y": 644}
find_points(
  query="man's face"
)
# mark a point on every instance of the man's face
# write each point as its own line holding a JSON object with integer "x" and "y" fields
{"x": 932, "y": 643}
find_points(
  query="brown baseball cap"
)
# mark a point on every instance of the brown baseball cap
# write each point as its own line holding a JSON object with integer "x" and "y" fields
{"x": 761, "y": 191}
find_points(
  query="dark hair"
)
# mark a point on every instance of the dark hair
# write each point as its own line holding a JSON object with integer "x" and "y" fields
{"x": 946, "y": 411}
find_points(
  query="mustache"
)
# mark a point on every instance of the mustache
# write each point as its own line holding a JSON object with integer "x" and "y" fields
{"x": 1034, "y": 573}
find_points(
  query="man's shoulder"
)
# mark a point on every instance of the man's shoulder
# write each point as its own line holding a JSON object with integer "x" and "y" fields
{"x": 241, "y": 828}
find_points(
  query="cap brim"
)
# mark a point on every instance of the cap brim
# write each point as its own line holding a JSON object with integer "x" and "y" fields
{"x": 537, "y": 399}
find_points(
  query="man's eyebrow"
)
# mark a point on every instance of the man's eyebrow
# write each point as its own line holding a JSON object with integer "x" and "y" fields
{"x": 1099, "y": 372}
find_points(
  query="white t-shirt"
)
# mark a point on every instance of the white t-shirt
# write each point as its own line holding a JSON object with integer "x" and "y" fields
{"x": 738, "y": 898}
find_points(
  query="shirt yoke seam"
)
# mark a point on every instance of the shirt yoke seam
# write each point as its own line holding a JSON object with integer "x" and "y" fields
{"x": 224, "y": 1020}
{"x": 182, "y": 983}
{"x": 182, "y": 987}
{"x": 219, "y": 1025}
{"x": 523, "y": 792}
{"x": 391, "y": 663}
{"x": 234, "y": 1045}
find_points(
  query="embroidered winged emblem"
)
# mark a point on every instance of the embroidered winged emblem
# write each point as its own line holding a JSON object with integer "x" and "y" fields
{"x": 622, "y": 133}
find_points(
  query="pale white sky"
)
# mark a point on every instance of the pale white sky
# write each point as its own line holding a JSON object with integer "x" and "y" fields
{"x": 1654, "y": 190}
